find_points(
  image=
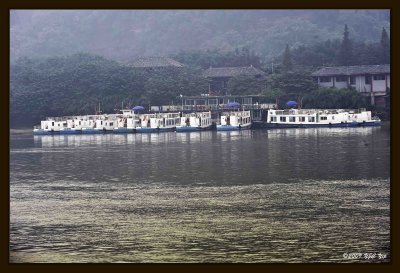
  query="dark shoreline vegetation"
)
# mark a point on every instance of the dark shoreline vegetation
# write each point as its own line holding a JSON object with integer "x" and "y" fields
{"x": 77, "y": 84}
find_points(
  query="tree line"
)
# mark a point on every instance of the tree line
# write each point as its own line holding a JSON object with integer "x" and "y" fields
{"x": 321, "y": 53}
{"x": 79, "y": 83}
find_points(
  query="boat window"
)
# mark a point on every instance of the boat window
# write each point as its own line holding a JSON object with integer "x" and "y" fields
{"x": 324, "y": 118}
{"x": 311, "y": 119}
{"x": 302, "y": 119}
{"x": 292, "y": 119}
{"x": 283, "y": 119}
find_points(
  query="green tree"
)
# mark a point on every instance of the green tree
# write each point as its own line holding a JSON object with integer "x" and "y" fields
{"x": 292, "y": 83}
{"x": 272, "y": 95}
{"x": 246, "y": 85}
{"x": 163, "y": 87}
{"x": 385, "y": 47}
{"x": 332, "y": 98}
{"x": 287, "y": 62}
{"x": 345, "y": 56}
{"x": 218, "y": 58}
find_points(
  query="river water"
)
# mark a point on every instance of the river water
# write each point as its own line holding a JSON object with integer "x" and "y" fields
{"x": 283, "y": 195}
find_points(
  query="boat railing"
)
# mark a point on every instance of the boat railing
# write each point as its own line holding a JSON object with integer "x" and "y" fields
{"x": 59, "y": 118}
{"x": 85, "y": 117}
{"x": 204, "y": 114}
{"x": 317, "y": 111}
{"x": 212, "y": 107}
{"x": 238, "y": 114}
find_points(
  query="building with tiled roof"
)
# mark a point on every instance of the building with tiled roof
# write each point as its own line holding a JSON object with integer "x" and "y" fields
{"x": 370, "y": 80}
{"x": 353, "y": 70}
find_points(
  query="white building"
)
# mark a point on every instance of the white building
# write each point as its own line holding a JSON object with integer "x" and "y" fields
{"x": 370, "y": 80}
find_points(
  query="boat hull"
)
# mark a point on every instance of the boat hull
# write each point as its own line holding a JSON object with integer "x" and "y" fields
{"x": 232, "y": 128}
{"x": 70, "y": 132}
{"x": 192, "y": 129}
{"x": 370, "y": 123}
{"x": 41, "y": 132}
{"x": 169, "y": 129}
{"x": 92, "y": 131}
{"x": 154, "y": 130}
{"x": 335, "y": 125}
{"x": 123, "y": 130}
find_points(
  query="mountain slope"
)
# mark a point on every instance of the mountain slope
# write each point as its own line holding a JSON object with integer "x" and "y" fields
{"x": 125, "y": 34}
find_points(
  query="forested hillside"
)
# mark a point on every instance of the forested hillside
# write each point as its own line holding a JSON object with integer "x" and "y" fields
{"x": 123, "y": 35}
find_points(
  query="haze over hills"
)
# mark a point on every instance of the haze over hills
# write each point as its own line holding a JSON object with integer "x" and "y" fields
{"x": 123, "y": 35}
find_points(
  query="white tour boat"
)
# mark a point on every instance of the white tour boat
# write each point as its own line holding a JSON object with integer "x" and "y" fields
{"x": 161, "y": 122}
{"x": 126, "y": 122}
{"x": 194, "y": 122}
{"x": 50, "y": 126}
{"x": 320, "y": 118}
{"x": 233, "y": 121}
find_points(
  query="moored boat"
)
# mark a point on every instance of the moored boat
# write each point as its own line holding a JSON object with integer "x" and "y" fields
{"x": 163, "y": 122}
{"x": 50, "y": 126}
{"x": 194, "y": 122}
{"x": 122, "y": 126}
{"x": 295, "y": 118}
{"x": 127, "y": 122}
{"x": 144, "y": 124}
{"x": 234, "y": 121}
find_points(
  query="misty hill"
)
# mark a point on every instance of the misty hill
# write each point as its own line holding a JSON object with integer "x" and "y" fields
{"x": 124, "y": 35}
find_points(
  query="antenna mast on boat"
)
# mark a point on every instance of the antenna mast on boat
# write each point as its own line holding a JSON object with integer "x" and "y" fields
{"x": 98, "y": 112}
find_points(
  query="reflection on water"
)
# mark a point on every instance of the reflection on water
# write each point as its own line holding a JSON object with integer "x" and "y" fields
{"x": 317, "y": 132}
{"x": 118, "y": 139}
{"x": 294, "y": 195}
{"x": 192, "y": 137}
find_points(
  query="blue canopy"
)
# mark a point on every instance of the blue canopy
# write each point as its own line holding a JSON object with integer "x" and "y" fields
{"x": 233, "y": 104}
{"x": 138, "y": 108}
{"x": 291, "y": 103}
